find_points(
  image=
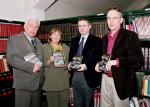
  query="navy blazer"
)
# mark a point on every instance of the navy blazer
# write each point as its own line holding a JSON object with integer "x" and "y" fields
{"x": 92, "y": 53}
{"x": 128, "y": 50}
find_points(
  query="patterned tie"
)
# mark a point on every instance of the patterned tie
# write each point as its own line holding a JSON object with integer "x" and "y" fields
{"x": 80, "y": 48}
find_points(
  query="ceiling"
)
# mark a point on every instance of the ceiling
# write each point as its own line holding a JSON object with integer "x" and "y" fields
{"x": 71, "y": 8}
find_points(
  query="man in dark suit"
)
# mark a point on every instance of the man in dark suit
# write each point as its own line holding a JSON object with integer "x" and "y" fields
{"x": 119, "y": 83}
{"x": 84, "y": 79}
{"x": 27, "y": 75}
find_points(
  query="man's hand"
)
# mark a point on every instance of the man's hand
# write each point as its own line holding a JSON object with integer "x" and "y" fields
{"x": 36, "y": 68}
{"x": 97, "y": 67}
{"x": 110, "y": 63}
{"x": 82, "y": 67}
{"x": 69, "y": 68}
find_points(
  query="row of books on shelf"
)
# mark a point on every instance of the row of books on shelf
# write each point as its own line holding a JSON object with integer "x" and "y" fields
{"x": 7, "y": 97}
{"x": 7, "y": 29}
{"x": 99, "y": 28}
{"x": 65, "y": 36}
{"x": 6, "y": 92}
{"x": 146, "y": 85}
{"x": 140, "y": 25}
{"x": 3, "y": 45}
{"x": 6, "y": 80}
{"x": 66, "y": 27}
{"x": 3, "y": 64}
{"x": 43, "y": 36}
{"x": 146, "y": 54}
{"x": 143, "y": 84}
{"x": 96, "y": 96}
{"x": 138, "y": 102}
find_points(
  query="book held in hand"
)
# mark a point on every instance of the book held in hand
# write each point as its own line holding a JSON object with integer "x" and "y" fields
{"x": 103, "y": 62}
{"x": 58, "y": 59}
{"x": 76, "y": 62}
{"x": 33, "y": 58}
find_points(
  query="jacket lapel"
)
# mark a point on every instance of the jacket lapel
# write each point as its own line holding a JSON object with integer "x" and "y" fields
{"x": 87, "y": 43}
{"x": 76, "y": 44}
{"x": 118, "y": 40}
{"x": 105, "y": 44}
{"x": 27, "y": 42}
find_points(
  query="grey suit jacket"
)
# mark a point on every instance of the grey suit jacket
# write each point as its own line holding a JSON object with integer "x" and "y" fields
{"x": 19, "y": 46}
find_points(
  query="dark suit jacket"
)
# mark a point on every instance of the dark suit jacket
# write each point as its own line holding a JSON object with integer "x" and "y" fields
{"x": 92, "y": 53}
{"x": 127, "y": 49}
{"x": 17, "y": 48}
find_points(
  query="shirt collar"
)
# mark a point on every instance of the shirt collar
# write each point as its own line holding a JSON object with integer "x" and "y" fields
{"x": 29, "y": 38}
{"x": 114, "y": 34}
{"x": 85, "y": 37}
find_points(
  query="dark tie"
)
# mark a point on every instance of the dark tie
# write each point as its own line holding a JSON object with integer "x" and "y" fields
{"x": 80, "y": 48}
{"x": 33, "y": 43}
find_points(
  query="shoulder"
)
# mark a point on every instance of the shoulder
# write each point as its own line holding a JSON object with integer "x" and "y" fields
{"x": 75, "y": 38}
{"x": 45, "y": 45}
{"x": 95, "y": 38}
{"x": 14, "y": 37}
{"x": 37, "y": 40}
{"x": 64, "y": 46}
{"x": 129, "y": 34}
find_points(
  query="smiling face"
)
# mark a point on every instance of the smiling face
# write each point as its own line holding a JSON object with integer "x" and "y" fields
{"x": 114, "y": 19}
{"x": 84, "y": 27}
{"x": 31, "y": 27}
{"x": 55, "y": 37}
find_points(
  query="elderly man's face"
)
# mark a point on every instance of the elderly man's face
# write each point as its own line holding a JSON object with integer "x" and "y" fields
{"x": 31, "y": 28}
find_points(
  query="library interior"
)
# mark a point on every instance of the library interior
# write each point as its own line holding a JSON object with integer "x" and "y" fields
{"x": 64, "y": 14}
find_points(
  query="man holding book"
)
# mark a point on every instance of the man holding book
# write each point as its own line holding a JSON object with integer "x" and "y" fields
{"x": 119, "y": 82}
{"x": 24, "y": 54}
{"x": 85, "y": 52}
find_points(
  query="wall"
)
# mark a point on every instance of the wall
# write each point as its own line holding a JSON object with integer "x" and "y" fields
{"x": 19, "y": 10}
{"x": 68, "y": 8}
{"x": 63, "y": 10}
{"x": 12, "y": 9}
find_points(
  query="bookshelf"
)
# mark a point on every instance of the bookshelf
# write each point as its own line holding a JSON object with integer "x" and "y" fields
{"x": 135, "y": 20}
{"x": 7, "y": 29}
{"x": 69, "y": 27}
{"x": 139, "y": 22}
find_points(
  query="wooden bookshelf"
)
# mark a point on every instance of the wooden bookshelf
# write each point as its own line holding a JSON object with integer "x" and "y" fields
{"x": 7, "y": 29}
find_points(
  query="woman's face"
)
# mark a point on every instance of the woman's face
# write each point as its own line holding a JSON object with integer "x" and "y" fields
{"x": 55, "y": 37}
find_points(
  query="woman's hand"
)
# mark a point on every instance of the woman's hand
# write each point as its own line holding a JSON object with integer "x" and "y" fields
{"x": 50, "y": 60}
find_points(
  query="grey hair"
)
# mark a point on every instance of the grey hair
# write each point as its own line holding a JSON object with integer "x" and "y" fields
{"x": 32, "y": 19}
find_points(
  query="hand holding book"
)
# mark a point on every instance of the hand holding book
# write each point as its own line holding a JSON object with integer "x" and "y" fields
{"x": 76, "y": 62}
{"x": 33, "y": 58}
{"x": 58, "y": 59}
{"x": 50, "y": 60}
{"x": 103, "y": 64}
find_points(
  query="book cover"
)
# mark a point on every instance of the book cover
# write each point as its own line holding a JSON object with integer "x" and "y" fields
{"x": 58, "y": 59}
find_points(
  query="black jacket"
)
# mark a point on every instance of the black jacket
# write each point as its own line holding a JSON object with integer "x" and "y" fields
{"x": 92, "y": 53}
{"x": 128, "y": 50}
